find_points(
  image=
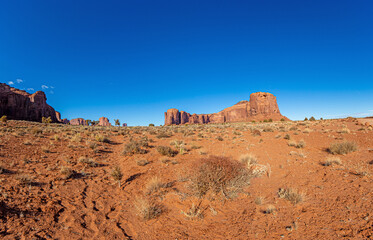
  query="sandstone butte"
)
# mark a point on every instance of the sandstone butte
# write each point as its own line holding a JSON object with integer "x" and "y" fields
{"x": 262, "y": 106}
{"x": 20, "y": 105}
{"x": 103, "y": 121}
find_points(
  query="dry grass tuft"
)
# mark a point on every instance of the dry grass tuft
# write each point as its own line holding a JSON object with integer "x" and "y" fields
{"x": 67, "y": 172}
{"x": 194, "y": 212}
{"x": 248, "y": 159}
{"x": 291, "y": 195}
{"x": 147, "y": 209}
{"x": 133, "y": 147}
{"x": 331, "y": 161}
{"x": 167, "y": 151}
{"x": 343, "y": 148}
{"x": 153, "y": 185}
{"x": 87, "y": 161}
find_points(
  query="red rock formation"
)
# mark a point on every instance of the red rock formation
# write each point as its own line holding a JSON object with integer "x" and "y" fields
{"x": 78, "y": 121}
{"x": 58, "y": 116}
{"x": 260, "y": 107}
{"x": 19, "y": 105}
{"x": 65, "y": 121}
{"x": 104, "y": 121}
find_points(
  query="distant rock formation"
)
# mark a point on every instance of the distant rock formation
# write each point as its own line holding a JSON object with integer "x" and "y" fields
{"x": 103, "y": 121}
{"x": 58, "y": 116}
{"x": 78, "y": 121}
{"x": 65, "y": 121}
{"x": 124, "y": 124}
{"x": 261, "y": 106}
{"x": 20, "y": 105}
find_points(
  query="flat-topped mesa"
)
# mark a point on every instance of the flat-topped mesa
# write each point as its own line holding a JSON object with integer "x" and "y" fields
{"x": 20, "y": 105}
{"x": 261, "y": 106}
{"x": 78, "y": 121}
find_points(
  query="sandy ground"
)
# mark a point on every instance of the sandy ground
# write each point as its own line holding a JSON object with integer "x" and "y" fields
{"x": 48, "y": 190}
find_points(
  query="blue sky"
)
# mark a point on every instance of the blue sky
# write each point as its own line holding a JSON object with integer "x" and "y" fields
{"x": 133, "y": 60}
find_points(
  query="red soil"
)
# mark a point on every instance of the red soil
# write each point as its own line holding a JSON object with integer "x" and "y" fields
{"x": 338, "y": 199}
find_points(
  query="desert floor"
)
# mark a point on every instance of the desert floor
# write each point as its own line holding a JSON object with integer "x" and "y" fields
{"x": 74, "y": 182}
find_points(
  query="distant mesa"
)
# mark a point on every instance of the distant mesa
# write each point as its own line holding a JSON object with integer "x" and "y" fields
{"x": 20, "y": 105}
{"x": 262, "y": 106}
{"x": 103, "y": 121}
{"x": 78, "y": 121}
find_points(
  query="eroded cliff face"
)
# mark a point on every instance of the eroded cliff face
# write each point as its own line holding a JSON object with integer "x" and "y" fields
{"x": 19, "y": 105}
{"x": 260, "y": 107}
{"x": 78, "y": 121}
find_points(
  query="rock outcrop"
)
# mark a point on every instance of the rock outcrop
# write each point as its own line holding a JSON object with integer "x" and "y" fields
{"x": 261, "y": 106}
{"x": 103, "y": 121}
{"x": 78, "y": 121}
{"x": 65, "y": 121}
{"x": 20, "y": 105}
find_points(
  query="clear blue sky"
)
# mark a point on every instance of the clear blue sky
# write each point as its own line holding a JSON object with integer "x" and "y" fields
{"x": 133, "y": 60}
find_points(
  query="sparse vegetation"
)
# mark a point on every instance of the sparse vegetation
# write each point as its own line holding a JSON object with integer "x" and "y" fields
{"x": 87, "y": 161}
{"x": 46, "y": 120}
{"x": 220, "y": 176}
{"x": 4, "y": 119}
{"x": 133, "y": 147}
{"x": 167, "y": 151}
{"x": 194, "y": 212}
{"x": 291, "y": 195}
{"x": 117, "y": 174}
{"x": 102, "y": 138}
{"x": 147, "y": 209}
{"x": 300, "y": 144}
{"x": 332, "y": 160}
{"x": 153, "y": 185}
{"x": 343, "y": 147}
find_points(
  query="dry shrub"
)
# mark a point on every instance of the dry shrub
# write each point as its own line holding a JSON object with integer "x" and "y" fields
{"x": 219, "y": 175}
{"x": 194, "y": 212}
{"x": 332, "y": 160}
{"x": 102, "y": 138}
{"x": 133, "y": 147}
{"x": 291, "y": 195}
{"x": 248, "y": 159}
{"x": 343, "y": 148}
{"x": 153, "y": 185}
{"x": 166, "y": 151}
{"x": 268, "y": 129}
{"x": 88, "y": 161}
{"x": 300, "y": 144}
{"x": 67, "y": 172}
{"x": 147, "y": 209}
{"x": 117, "y": 174}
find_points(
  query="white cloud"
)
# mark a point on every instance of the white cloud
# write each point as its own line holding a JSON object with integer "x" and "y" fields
{"x": 51, "y": 92}
{"x": 11, "y": 83}
{"x": 44, "y": 87}
{"x": 52, "y": 87}
{"x": 30, "y": 89}
{"x": 19, "y": 80}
